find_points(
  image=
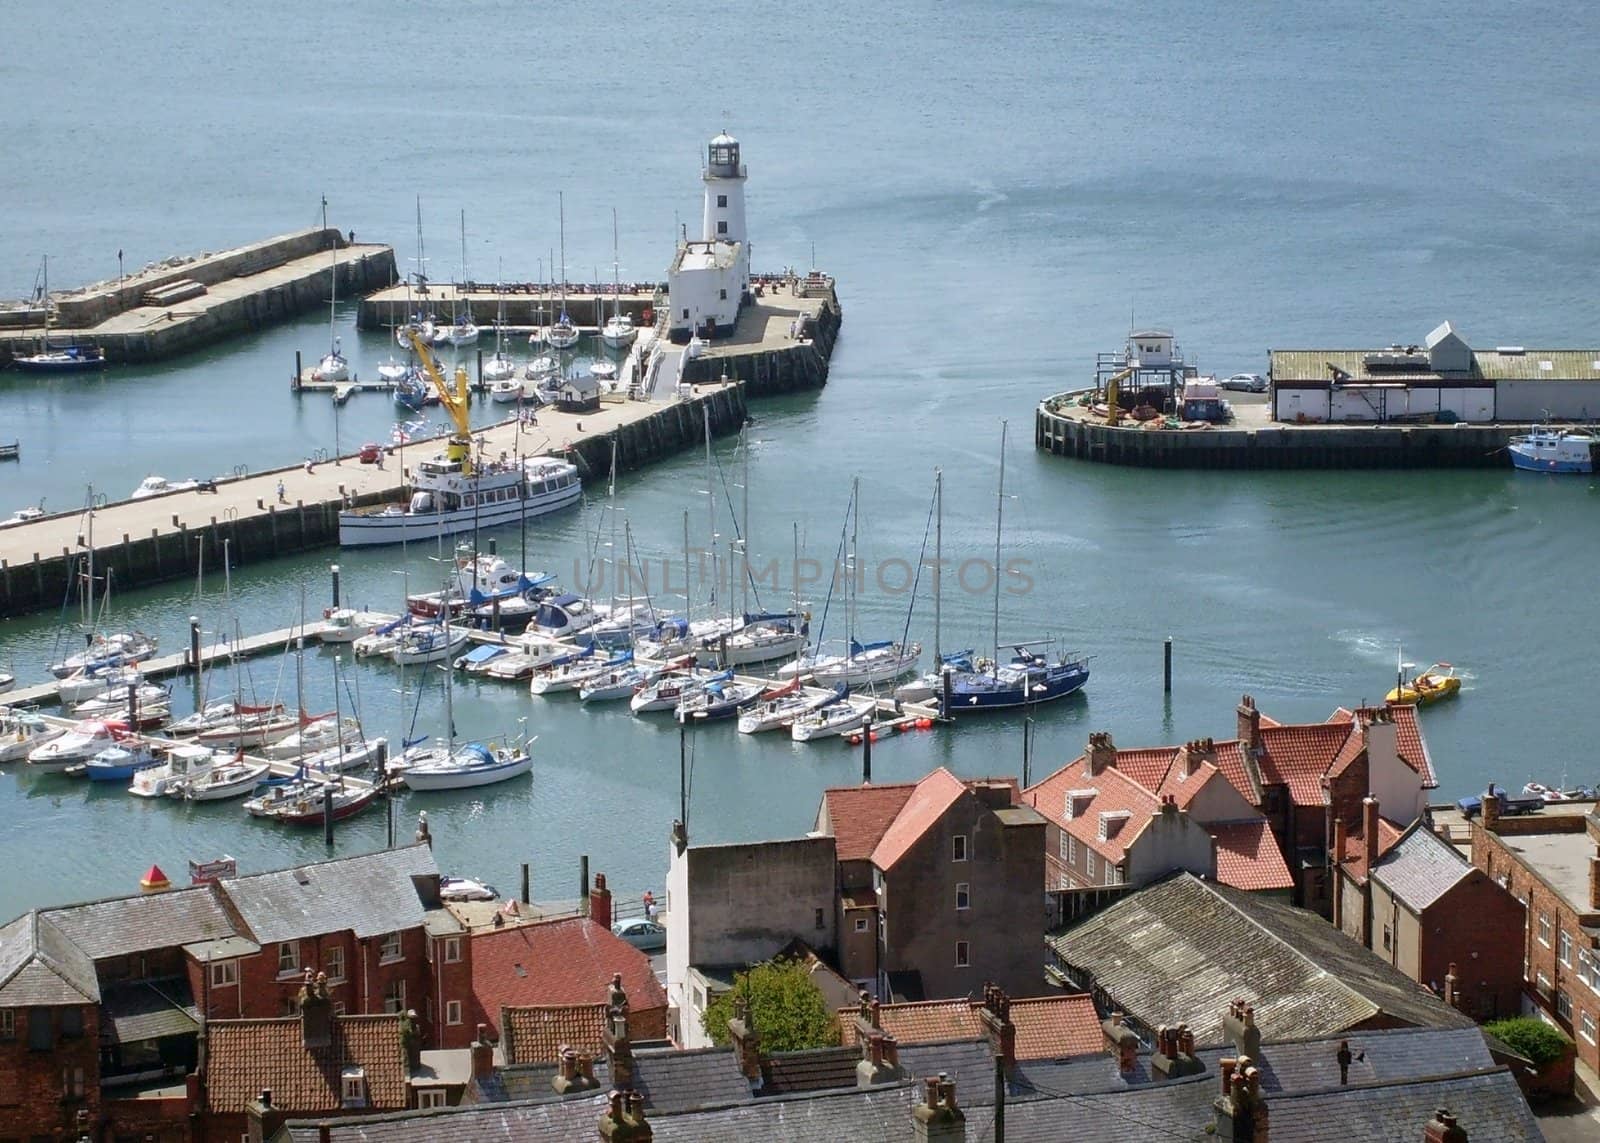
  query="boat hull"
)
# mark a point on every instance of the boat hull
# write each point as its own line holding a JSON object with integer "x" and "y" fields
{"x": 1058, "y": 684}
{"x": 467, "y": 778}
{"x": 361, "y": 530}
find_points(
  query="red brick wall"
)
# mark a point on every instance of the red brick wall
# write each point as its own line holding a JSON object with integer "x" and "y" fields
{"x": 31, "y": 1091}
{"x": 453, "y": 982}
{"x": 262, "y": 993}
{"x": 153, "y": 1120}
{"x": 1475, "y": 926}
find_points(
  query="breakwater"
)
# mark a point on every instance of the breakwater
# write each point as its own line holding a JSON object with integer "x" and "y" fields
{"x": 792, "y": 352}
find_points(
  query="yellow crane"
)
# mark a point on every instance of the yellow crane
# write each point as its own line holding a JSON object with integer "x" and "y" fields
{"x": 454, "y": 401}
{"x": 1114, "y": 392}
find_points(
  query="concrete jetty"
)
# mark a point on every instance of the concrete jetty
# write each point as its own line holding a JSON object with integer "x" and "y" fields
{"x": 162, "y": 537}
{"x": 184, "y": 303}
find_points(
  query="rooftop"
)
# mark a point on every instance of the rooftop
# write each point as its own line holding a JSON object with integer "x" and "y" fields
{"x": 369, "y": 895}
{"x": 1287, "y": 365}
{"x": 859, "y": 816}
{"x": 536, "y": 1035}
{"x": 1421, "y": 867}
{"x": 1561, "y": 859}
{"x": 244, "y": 1056}
{"x": 1046, "y": 1026}
{"x": 929, "y": 801}
{"x": 39, "y": 965}
{"x": 1248, "y": 856}
{"x": 118, "y": 926}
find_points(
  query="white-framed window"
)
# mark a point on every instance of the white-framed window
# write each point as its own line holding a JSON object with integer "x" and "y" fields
{"x": 452, "y": 1011}
{"x": 8, "y": 1024}
{"x": 1543, "y": 982}
{"x": 452, "y": 950}
{"x": 430, "y": 1097}
{"x": 1544, "y": 929}
{"x": 1065, "y": 837}
{"x": 394, "y": 996}
{"x": 1588, "y": 970}
{"x": 353, "y": 1087}
{"x": 963, "y": 954}
{"x": 288, "y": 957}
{"x": 1088, "y": 863}
{"x": 1078, "y": 801}
{"x": 1563, "y": 1005}
{"x": 958, "y": 847}
{"x": 963, "y": 895}
{"x": 861, "y": 924}
{"x": 1113, "y": 875}
{"x": 1072, "y": 850}
{"x": 338, "y": 1007}
{"x": 224, "y": 973}
{"x": 390, "y": 949}
{"x": 1564, "y": 945}
{"x": 333, "y": 963}
{"x": 1586, "y": 1026}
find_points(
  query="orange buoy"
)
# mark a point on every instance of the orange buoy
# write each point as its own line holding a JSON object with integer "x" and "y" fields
{"x": 855, "y": 740}
{"x": 924, "y": 724}
{"x": 154, "y": 881}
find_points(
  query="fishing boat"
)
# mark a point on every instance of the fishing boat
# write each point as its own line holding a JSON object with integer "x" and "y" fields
{"x": 81, "y": 742}
{"x": 22, "y": 732}
{"x": 832, "y": 720}
{"x": 473, "y": 764}
{"x": 57, "y": 359}
{"x": 724, "y": 699}
{"x": 780, "y": 706}
{"x": 184, "y": 763}
{"x": 1555, "y": 450}
{"x": 109, "y": 650}
{"x": 121, "y": 762}
{"x": 429, "y": 643}
{"x": 305, "y": 803}
{"x": 673, "y": 689}
{"x": 160, "y": 486}
{"x": 315, "y": 736}
{"x": 1432, "y": 685}
{"x": 230, "y": 780}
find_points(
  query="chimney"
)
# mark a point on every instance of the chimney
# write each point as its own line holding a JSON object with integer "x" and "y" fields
{"x": 1195, "y": 753}
{"x": 997, "y": 1026}
{"x": 1491, "y": 809}
{"x": 1174, "y": 1055}
{"x": 1452, "y": 986}
{"x": 1121, "y": 1043}
{"x": 619, "y": 1052}
{"x": 624, "y": 1121}
{"x": 1239, "y": 1026}
{"x": 262, "y": 1118}
{"x": 600, "y": 902}
{"x": 1594, "y": 883}
{"x": 1101, "y": 754}
{"x": 576, "y": 1073}
{"x": 482, "y": 1054}
{"x": 746, "y": 1042}
{"x": 1442, "y": 1128}
{"x": 880, "y": 1061}
{"x": 1249, "y": 723}
{"x": 1369, "y": 835}
{"x": 937, "y": 1119}
{"x": 1335, "y": 870}
{"x": 1344, "y": 1057}
{"x": 316, "y": 1011}
{"x": 1241, "y": 1109}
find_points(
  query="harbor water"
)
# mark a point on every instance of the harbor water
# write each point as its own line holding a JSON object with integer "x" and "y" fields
{"x": 998, "y": 189}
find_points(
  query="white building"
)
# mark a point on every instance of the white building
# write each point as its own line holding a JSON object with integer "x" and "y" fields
{"x": 709, "y": 279}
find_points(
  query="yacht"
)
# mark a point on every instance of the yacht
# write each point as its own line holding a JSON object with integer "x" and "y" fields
{"x": 160, "y": 485}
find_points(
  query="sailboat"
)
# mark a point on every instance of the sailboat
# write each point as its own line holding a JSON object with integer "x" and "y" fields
{"x": 502, "y": 367}
{"x": 562, "y": 334}
{"x": 103, "y": 651}
{"x": 461, "y": 330}
{"x": 67, "y": 359}
{"x": 419, "y": 325}
{"x": 333, "y": 366}
{"x": 618, "y": 332}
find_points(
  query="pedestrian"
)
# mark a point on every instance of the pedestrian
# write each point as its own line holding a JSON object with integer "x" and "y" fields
{"x": 380, "y": 460}
{"x": 649, "y": 905}
{"x": 308, "y": 466}
{"x": 283, "y": 497}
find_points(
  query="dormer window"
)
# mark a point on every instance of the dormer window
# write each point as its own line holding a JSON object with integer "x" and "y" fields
{"x": 353, "y": 1087}
{"x": 1111, "y": 823}
{"x": 1077, "y": 803}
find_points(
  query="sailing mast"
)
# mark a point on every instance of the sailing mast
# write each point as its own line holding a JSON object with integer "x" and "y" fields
{"x": 333, "y": 285}
{"x": 711, "y": 512}
{"x": 938, "y": 564}
{"x": 744, "y": 539}
{"x": 999, "y": 513}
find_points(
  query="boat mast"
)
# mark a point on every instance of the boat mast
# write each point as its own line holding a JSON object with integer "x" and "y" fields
{"x": 89, "y": 586}
{"x": 744, "y": 539}
{"x": 616, "y": 271}
{"x": 999, "y": 514}
{"x": 333, "y": 283}
{"x": 688, "y": 590}
{"x": 938, "y": 563}
{"x": 850, "y": 574}
{"x": 561, "y": 207}
{"x": 711, "y": 511}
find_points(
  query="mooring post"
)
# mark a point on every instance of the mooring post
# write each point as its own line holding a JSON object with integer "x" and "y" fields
{"x": 327, "y": 816}
{"x": 866, "y": 752}
{"x": 480, "y": 370}
{"x": 583, "y": 885}
{"x": 493, "y": 546}
{"x": 133, "y": 707}
{"x": 526, "y": 899}
{"x": 333, "y": 570}
{"x": 1166, "y": 666}
{"x": 194, "y": 643}
{"x": 295, "y": 382}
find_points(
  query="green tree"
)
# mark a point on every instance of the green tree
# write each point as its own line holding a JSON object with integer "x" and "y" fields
{"x": 786, "y": 1008}
{"x": 1529, "y": 1036}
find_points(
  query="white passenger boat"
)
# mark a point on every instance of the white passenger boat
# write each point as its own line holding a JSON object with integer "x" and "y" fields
{"x": 452, "y": 495}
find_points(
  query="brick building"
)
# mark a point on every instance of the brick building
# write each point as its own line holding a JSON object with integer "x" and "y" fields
{"x": 1549, "y": 861}
{"x": 49, "y": 1033}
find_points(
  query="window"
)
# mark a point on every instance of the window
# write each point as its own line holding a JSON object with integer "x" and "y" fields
{"x": 963, "y": 896}
{"x": 722, "y": 228}
{"x": 1065, "y": 837}
{"x": 338, "y": 1007}
{"x": 722, "y": 295}
{"x": 1072, "y": 850}
{"x": 224, "y": 973}
{"x": 962, "y": 955}
{"x": 333, "y": 963}
{"x": 71, "y": 1023}
{"x": 288, "y": 957}
{"x": 1388, "y": 939}
{"x": 1544, "y": 929}
{"x": 1088, "y": 864}
{"x": 822, "y": 921}
{"x": 1588, "y": 972}
{"x": 861, "y": 924}
{"x": 354, "y": 1087}
{"x": 1586, "y": 1026}
{"x": 72, "y": 1083}
{"x": 685, "y": 315}
{"x": 722, "y": 200}
{"x": 1563, "y": 1006}
{"x": 452, "y": 950}
{"x": 430, "y": 1097}
{"x": 1113, "y": 875}
{"x": 41, "y": 1030}
{"x": 394, "y": 996}
{"x": 1564, "y": 943}
{"x": 452, "y": 1012}
{"x": 958, "y": 847}
{"x": 8, "y": 1024}
{"x": 390, "y": 949}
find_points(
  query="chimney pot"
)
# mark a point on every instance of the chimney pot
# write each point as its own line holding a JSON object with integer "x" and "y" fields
{"x": 266, "y": 1097}
{"x": 1225, "y": 1068}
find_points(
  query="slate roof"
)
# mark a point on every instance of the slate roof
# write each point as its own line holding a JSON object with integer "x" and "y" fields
{"x": 122, "y": 925}
{"x": 929, "y": 801}
{"x": 814, "y": 1069}
{"x": 970, "y": 1063}
{"x": 244, "y": 1056}
{"x": 39, "y": 965}
{"x": 672, "y": 1080}
{"x": 149, "y": 1010}
{"x": 858, "y": 816}
{"x": 558, "y": 964}
{"x": 536, "y": 1035}
{"x": 1181, "y": 949}
{"x": 545, "y": 1121}
{"x": 1421, "y": 867}
{"x": 1248, "y": 856}
{"x": 1046, "y": 1026}
{"x": 369, "y": 895}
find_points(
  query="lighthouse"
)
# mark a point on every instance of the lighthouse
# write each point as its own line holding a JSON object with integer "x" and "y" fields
{"x": 709, "y": 279}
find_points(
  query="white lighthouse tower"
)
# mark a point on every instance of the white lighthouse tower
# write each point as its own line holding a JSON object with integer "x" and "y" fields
{"x": 709, "y": 279}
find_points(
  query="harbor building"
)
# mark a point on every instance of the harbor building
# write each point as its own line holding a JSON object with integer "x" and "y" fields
{"x": 1442, "y": 380}
{"x": 709, "y": 280}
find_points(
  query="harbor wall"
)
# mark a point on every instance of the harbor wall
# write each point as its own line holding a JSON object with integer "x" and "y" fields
{"x": 786, "y": 368}
{"x": 272, "y": 530}
{"x": 1277, "y": 446}
{"x": 525, "y": 306}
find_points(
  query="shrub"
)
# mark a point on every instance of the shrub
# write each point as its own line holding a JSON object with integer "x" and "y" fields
{"x": 1529, "y": 1036}
{"x": 787, "y": 1008}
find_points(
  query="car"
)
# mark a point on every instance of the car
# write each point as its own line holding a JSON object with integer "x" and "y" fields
{"x": 1245, "y": 382}
{"x": 642, "y": 933}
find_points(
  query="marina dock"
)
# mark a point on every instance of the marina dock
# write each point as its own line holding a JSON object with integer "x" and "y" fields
{"x": 184, "y": 303}
{"x": 162, "y": 537}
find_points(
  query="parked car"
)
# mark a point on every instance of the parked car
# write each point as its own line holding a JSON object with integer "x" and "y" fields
{"x": 1245, "y": 382}
{"x": 642, "y": 934}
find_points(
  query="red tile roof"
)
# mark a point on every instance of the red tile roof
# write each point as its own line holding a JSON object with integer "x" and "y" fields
{"x": 1114, "y": 792}
{"x": 1355, "y": 850}
{"x": 1298, "y": 757}
{"x": 1248, "y": 857}
{"x": 1230, "y": 759}
{"x": 244, "y": 1056}
{"x": 859, "y": 816}
{"x": 928, "y": 802}
{"x": 1183, "y": 790}
{"x": 536, "y": 1035}
{"x": 1047, "y": 1027}
{"x": 558, "y": 963}
{"x": 1147, "y": 765}
{"x": 1410, "y": 744}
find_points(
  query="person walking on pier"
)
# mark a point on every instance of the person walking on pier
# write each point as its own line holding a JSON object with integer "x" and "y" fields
{"x": 283, "y": 497}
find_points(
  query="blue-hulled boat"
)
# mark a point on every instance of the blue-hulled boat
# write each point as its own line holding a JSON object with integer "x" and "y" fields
{"x": 120, "y": 763}
{"x": 1030, "y": 677}
{"x": 1555, "y": 450}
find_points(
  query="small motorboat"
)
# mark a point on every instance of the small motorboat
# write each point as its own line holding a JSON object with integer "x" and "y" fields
{"x": 23, "y": 516}
{"x": 471, "y": 765}
{"x": 429, "y": 643}
{"x": 314, "y": 737}
{"x": 347, "y": 624}
{"x": 1558, "y": 794}
{"x": 7, "y": 682}
{"x": 184, "y": 763}
{"x": 160, "y": 486}
{"x": 840, "y": 717}
{"x": 79, "y": 744}
{"x": 527, "y": 655}
{"x": 22, "y": 732}
{"x": 1433, "y": 685}
{"x": 120, "y": 763}
{"x": 466, "y": 889}
{"x": 718, "y": 700}
{"x": 230, "y": 780}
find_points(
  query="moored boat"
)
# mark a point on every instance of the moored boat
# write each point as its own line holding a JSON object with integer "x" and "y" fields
{"x": 231, "y": 780}
{"x": 474, "y": 764}
{"x": 80, "y": 743}
{"x": 305, "y": 803}
{"x": 1555, "y": 450}
{"x": 113, "y": 650}
{"x": 429, "y": 643}
{"x": 23, "y": 731}
{"x": 718, "y": 700}
{"x": 314, "y": 737}
{"x": 780, "y": 706}
{"x": 121, "y": 762}
{"x": 184, "y": 763}
{"x": 832, "y": 720}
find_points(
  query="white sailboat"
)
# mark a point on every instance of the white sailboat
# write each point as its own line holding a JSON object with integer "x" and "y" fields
{"x": 461, "y": 330}
{"x": 562, "y": 334}
{"x": 502, "y": 367}
{"x": 618, "y": 332}
{"x": 333, "y": 367}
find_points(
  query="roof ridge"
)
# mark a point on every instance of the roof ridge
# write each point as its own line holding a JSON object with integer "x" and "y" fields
{"x": 1398, "y": 1081}
{"x": 316, "y": 864}
{"x": 48, "y": 959}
